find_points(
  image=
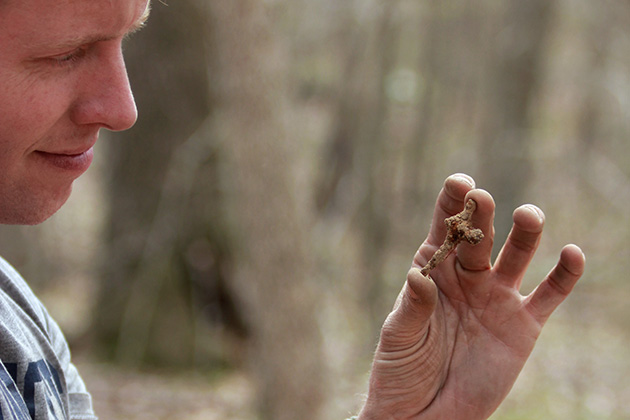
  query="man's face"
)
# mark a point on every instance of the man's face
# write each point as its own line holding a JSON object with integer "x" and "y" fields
{"x": 62, "y": 79}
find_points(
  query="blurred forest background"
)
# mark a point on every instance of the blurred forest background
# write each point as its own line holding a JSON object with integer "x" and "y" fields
{"x": 234, "y": 254}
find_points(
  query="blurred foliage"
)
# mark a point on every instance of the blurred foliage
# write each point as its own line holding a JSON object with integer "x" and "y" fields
{"x": 325, "y": 129}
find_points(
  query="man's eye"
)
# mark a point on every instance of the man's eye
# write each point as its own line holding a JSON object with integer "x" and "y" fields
{"x": 70, "y": 57}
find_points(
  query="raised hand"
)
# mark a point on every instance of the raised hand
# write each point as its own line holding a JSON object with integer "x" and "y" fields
{"x": 456, "y": 341}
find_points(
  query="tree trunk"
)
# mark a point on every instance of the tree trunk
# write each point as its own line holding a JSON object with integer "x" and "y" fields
{"x": 145, "y": 312}
{"x": 505, "y": 159}
{"x": 274, "y": 276}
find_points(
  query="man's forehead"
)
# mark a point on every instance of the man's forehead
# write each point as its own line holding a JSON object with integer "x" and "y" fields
{"x": 4, "y": 3}
{"x": 144, "y": 5}
{"x": 73, "y": 20}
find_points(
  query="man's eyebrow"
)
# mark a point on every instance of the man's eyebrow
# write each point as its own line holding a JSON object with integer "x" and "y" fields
{"x": 142, "y": 20}
{"x": 77, "y": 41}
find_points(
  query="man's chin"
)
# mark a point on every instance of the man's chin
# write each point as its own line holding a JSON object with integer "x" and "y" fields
{"x": 33, "y": 212}
{"x": 25, "y": 219}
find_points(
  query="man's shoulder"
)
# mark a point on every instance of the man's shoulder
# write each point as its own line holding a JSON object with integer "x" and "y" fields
{"x": 11, "y": 279}
{"x": 16, "y": 291}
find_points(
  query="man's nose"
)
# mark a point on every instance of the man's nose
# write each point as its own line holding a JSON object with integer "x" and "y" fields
{"x": 104, "y": 96}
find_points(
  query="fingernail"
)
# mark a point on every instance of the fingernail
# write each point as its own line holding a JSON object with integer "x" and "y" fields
{"x": 465, "y": 179}
{"x": 539, "y": 214}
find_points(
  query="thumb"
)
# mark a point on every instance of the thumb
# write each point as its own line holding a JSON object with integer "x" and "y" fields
{"x": 416, "y": 304}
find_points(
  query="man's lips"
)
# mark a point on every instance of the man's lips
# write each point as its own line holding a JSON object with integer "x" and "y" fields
{"x": 69, "y": 161}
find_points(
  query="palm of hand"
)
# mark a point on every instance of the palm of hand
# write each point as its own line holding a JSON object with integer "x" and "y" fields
{"x": 454, "y": 345}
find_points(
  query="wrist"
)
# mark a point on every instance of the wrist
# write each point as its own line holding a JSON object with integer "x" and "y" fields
{"x": 369, "y": 412}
